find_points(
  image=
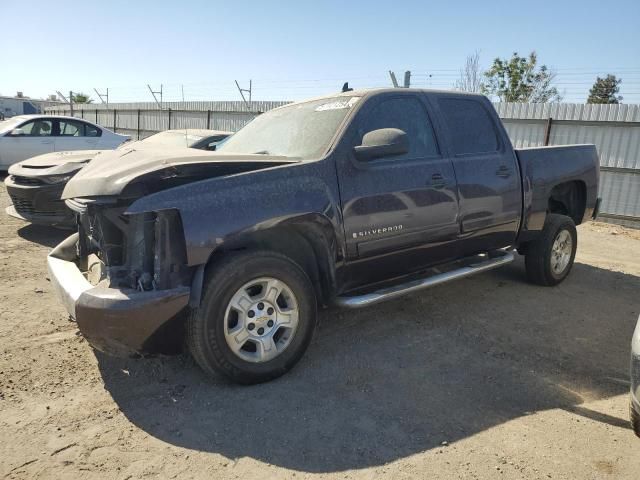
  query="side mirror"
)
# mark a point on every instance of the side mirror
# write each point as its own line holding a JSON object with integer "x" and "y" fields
{"x": 212, "y": 146}
{"x": 16, "y": 132}
{"x": 385, "y": 142}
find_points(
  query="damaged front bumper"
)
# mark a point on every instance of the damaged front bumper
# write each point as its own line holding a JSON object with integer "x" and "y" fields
{"x": 120, "y": 322}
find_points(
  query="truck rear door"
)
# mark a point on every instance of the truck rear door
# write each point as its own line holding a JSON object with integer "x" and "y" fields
{"x": 392, "y": 204}
{"x": 487, "y": 173}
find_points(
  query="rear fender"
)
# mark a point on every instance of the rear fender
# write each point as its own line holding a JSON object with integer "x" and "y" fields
{"x": 543, "y": 169}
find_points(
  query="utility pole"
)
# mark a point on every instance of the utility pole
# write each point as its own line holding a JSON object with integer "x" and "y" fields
{"x": 242, "y": 92}
{"x": 100, "y": 95}
{"x": 159, "y": 103}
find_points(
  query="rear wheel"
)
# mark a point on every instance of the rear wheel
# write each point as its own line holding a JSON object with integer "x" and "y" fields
{"x": 256, "y": 318}
{"x": 549, "y": 258}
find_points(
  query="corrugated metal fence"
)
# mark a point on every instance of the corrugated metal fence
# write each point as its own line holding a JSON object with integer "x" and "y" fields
{"x": 143, "y": 119}
{"x": 614, "y": 129}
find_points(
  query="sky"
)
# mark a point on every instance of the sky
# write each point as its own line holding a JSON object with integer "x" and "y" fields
{"x": 296, "y": 49}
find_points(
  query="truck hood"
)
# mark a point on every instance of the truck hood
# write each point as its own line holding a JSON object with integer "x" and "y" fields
{"x": 55, "y": 163}
{"x": 110, "y": 172}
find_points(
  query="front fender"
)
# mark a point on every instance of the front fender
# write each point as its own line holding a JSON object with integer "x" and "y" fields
{"x": 218, "y": 210}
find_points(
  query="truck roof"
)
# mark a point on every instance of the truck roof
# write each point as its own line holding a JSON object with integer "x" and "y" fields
{"x": 369, "y": 92}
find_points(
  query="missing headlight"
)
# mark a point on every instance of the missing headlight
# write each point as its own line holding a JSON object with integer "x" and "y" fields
{"x": 170, "y": 252}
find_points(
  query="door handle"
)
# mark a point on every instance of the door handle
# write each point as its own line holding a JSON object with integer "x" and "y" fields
{"x": 503, "y": 171}
{"x": 437, "y": 180}
{"x": 46, "y": 142}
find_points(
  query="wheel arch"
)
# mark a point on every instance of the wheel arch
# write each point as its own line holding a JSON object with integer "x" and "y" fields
{"x": 568, "y": 198}
{"x": 309, "y": 240}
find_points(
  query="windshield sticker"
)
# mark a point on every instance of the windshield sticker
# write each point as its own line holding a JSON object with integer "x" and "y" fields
{"x": 338, "y": 105}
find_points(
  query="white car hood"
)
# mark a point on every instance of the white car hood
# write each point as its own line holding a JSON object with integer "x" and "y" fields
{"x": 54, "y": 163}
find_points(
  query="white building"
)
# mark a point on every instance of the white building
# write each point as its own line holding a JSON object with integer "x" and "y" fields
{"x": 21, "y": 105}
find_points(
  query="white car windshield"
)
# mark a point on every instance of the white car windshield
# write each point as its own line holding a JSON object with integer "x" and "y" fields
{"x": 300, "y": 130}
{"x": 11, "y": 123}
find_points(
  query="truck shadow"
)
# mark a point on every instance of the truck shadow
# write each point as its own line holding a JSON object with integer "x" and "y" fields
{"x": 398, "y": 379}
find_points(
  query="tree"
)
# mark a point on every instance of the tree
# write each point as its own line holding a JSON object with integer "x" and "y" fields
{"x": 518, "y": 79}
{"x": 81, "y": 98}
{"x": 605, "y": 90}
{"x": 470, "y": 75}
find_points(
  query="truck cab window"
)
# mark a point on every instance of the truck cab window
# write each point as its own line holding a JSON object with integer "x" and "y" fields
{"x": 470, "y": 127}
{"x": 407, "y": 114}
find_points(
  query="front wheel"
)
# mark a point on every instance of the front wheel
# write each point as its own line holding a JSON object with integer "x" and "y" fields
{"x": 256, "y": 318}
{"x": 549, "y": 258}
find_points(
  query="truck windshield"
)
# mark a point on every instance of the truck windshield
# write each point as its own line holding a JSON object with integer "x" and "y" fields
{"x": 301, "y": 130}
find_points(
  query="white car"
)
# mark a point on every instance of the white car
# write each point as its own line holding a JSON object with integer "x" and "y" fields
{"x": 26, "y": 136}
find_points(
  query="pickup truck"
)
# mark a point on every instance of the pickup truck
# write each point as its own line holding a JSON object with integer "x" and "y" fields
{"x": 347, "y": 200}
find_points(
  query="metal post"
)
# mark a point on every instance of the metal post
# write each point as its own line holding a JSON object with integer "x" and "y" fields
{"x": 159, "y": 103}
{"x": 169, "y": 128}
{"x": 101, "y": 95}
{"x": 208, "y": 119}
{"x": 138, "y": 124}
{"x": 407, "y": 79}
{"x": 547, "y": 131}
{"x": 70, "y": 103}
{"x": 393, "y": 79}
{"x": 115, "y": 116}
{"x": 82, "y": 112}
{"x": 96, "y": 115}
{"x": 242, "y": 90}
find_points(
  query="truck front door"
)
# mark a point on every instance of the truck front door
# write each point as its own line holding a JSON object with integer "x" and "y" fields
{"x": 400, "y": 210}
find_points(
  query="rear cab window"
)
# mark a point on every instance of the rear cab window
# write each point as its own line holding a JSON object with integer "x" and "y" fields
{"x": 471, "y": 127}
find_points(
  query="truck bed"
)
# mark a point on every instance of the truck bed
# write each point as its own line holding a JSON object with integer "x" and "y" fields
{"x": 547, "y": 168}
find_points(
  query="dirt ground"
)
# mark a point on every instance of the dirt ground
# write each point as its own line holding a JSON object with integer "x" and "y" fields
{"x": 486, "y": 378}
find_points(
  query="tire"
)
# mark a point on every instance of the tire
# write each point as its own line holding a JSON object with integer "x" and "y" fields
{"x": 635, "y": 420}
{"x": 243, "y": 285}
{"x": 541, "y": 259}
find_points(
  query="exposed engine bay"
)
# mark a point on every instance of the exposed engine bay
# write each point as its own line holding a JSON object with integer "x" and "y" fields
{"x": 142, "y": 251}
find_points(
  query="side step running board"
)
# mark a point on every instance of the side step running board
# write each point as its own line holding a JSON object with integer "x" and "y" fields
{"x": 497, "y": 259}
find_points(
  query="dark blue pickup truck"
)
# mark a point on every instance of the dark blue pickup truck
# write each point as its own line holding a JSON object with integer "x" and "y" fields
{"x": 347, "y": 200}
